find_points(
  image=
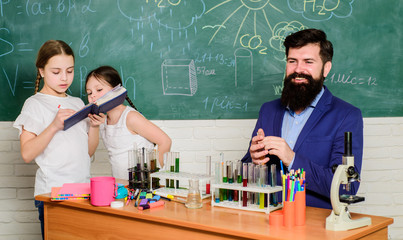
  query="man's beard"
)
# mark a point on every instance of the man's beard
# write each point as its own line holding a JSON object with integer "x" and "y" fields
{"x": 299, "y": 96}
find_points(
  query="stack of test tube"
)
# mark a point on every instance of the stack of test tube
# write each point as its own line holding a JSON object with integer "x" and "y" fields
{"x": 142, "y": 162}
{"x": 171, "y": 163}
{"x": 246, "y": 175}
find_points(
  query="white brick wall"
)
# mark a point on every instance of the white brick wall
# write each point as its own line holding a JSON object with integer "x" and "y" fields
{"x": 382, "y": 178}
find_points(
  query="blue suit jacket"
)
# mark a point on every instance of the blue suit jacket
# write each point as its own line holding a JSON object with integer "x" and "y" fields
{"x": 320, "y": 144}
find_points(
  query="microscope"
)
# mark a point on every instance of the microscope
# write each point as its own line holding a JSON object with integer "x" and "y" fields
{"x": 340, "y": 219}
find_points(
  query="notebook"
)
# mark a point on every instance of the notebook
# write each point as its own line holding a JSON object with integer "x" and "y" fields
{"x": 110, "y": 100}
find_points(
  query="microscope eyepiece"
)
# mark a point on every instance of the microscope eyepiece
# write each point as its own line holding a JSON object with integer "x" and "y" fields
{"x": 348, "y": 142}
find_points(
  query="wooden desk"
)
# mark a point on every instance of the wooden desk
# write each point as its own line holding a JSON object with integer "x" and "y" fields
{"x": 80, "y": 220}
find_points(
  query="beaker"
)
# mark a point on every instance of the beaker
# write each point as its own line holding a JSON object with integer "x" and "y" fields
{"x": 194, "y": 198}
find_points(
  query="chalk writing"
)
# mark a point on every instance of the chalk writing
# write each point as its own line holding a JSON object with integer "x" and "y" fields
{"x": 165, "y": 3}
{"x": 206, "y": 72}
{"x": 87, "y": 8}
{"x": 10, "y": 46}
{"x": 38, "y": 8}
{"x": 212, "y": 57}
{"x": 84, "y": 49}
{"x": 255, "y": 42}
{"x": 321, "y": 10}
{"x": 224, "y": 103}
{"x": 351, "y": 80}
{"x": 278, "y": 89}
{"x": 11, "y": 83}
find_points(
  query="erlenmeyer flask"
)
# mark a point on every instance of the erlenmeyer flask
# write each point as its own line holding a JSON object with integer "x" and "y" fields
{"x": 194, "y": 198}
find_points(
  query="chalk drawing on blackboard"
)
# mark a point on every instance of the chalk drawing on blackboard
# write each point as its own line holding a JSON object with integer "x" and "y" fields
{"x": 148, "y": 11}
{"x": 243, "y": 67}
{"x": 179, "y": 77}
{"x": 252, "y": 6}
{"x": 215, "y": 26}
{"x": 280, "y": 31}
{"x": 323, "y": 10}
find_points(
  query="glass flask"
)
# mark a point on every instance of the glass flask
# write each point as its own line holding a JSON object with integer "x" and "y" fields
{"x": 194, "y": 198}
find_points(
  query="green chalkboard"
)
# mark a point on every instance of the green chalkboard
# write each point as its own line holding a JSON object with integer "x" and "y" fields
{"x": 205, "y": 59}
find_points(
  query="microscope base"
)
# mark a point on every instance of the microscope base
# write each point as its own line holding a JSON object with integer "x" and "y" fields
{"x": 344, "y": 222}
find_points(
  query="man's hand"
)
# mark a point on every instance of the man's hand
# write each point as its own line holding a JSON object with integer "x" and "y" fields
{"x": 257, "y": 149}
{"x": 262, "y": 145}
{"x": 279, "y": 147}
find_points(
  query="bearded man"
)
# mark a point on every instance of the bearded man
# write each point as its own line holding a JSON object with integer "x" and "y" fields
{"x": 305, "y": 128}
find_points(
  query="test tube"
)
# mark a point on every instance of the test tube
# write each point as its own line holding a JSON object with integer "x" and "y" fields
{"x": 143, "y": 164}
{"x": 225, "y": 180}
{"x": 224, "y": 169}
{"x": 230, "y": 180}
{"x": 239, "y": 171}
{"x": 223, "y": 192}
{"x": 257, "y": 182}
{"x": 176, "y": 161}
{"x": 130, "y": 164}
{"x": 251, "y": 176}
{"x": 273, "y": 178}
{"x": 238, "y": 178}
{"x": 217, "y": 180}
{"x": 172, "y": 167}
{"x": 177, "y": 167}
{"x": 153, "y": 160}
{"x": 166, "y": 166}
{"x": 208, "y": 173}
{"x": 147, "y": 159}
{"x": 138, "y": 164}
{"x": 142, "y": 159}
{"x": 217, "y": 176}
{"x": 147, "y": 168}
{"x": 245, "y": 184}
{"x": 263, "y": 175}
{"x": 245, "y": 174}
{"x": 132, "y": 160}
{"x": 230, "y": 172}
{"x": 263, "y": 179}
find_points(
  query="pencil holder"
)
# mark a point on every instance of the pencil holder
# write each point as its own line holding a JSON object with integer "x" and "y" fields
{"x": 289, "y": 213}
{"x": 300, "y": 208}
{"x": 276, "y": 218}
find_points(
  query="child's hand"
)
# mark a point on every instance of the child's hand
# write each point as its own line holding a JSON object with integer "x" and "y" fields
{"x": 62, "y": 115}
{"x": 96, "y": 120}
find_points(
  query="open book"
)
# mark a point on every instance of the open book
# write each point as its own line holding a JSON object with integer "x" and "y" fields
{"x": 111, "y": 99}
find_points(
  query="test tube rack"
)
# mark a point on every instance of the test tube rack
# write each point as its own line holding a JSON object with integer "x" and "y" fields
{"x": 182, "y": 176}
{"x": 240, "y": 188}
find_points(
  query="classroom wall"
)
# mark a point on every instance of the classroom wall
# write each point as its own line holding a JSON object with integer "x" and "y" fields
{"x": 382, "y": 181}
